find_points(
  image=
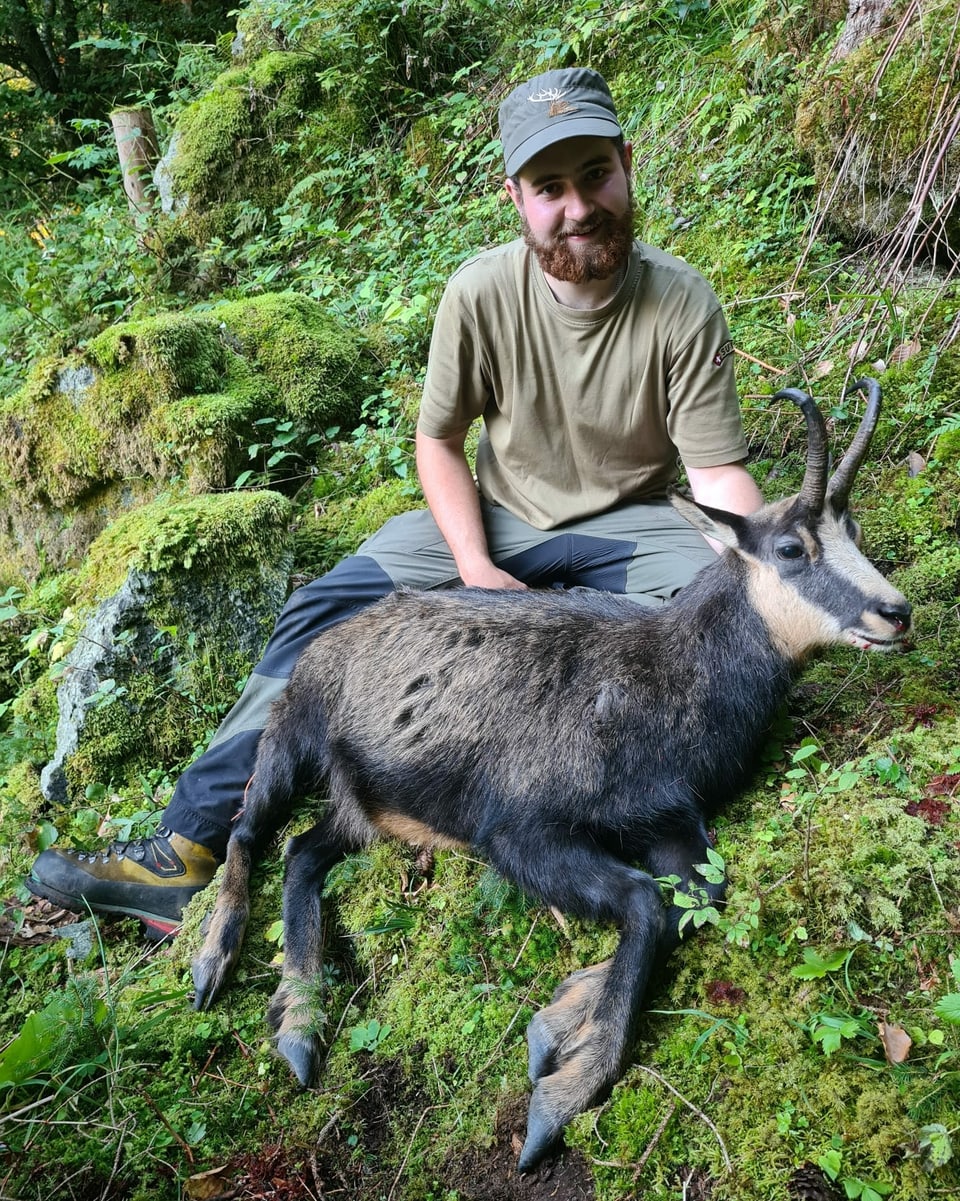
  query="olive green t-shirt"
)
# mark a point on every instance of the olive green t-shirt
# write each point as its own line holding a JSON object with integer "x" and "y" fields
{"x": 582, "y": 409}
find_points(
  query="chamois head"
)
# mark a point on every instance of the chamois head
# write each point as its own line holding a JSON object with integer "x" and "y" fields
{"x": 806, "y": 575}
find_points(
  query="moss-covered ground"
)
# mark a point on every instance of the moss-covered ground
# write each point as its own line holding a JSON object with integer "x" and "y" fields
{"x": 806, "y": 1042}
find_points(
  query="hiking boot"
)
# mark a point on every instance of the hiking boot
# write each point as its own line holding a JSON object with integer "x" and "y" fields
{"x": 150, "y": 878}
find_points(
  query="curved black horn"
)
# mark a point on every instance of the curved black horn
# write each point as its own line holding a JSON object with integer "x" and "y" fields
{"x": 838, "y": 490}
{"x": 814, "y": 485}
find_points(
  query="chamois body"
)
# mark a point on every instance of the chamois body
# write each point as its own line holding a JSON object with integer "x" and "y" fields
{"x": 472, "y": 711}
{"x": 578, "y": 742}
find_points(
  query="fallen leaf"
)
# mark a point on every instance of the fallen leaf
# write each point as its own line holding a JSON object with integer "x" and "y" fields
{"x": 947, "y": 785}
{"x": 904, "y": 352}
{"x": 896, "y": 1042}
{"x": 934, "y": 812}
{"x": 206, "y": 1185}
{"x": 916, "y": 463}
{"x": 824, "y": 367}
{"x": 722, "y": 992}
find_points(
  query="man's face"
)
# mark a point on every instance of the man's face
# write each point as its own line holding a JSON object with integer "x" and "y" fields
{"x": 576, "y": 208}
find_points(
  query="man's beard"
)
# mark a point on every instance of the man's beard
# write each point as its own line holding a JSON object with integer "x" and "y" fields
{"x": 579, "y": 264}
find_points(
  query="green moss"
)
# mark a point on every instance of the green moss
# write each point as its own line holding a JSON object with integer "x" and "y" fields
{"x": 318, "y": 369}
{"x": 226, "y": 140}
{"x": 895, "y": 121}
{"x": 325, "y": 535}
{"x": 155, "y": 399}
{"x": 179, "y": 353}
{"x": 208, "y": 133}
{"x": 174, "y": 532}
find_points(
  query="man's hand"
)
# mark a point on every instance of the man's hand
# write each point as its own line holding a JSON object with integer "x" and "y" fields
{"x": 490, "y": 576}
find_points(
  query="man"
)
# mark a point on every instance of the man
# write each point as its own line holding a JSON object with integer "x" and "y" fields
{"x": 593, "y": 361}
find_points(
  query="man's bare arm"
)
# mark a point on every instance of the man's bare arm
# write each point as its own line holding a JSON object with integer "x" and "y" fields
{"x": 453, "y": 499}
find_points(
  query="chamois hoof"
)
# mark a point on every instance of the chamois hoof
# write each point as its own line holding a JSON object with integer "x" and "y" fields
{"x": 544, "y": 1137}
{"x": 210, "y": 972}
{"x": 574, "y": 1060}
{"x": 213, "y": 963}
{"x": 293, "y": 1021}
{"x": 302, "y": 1053}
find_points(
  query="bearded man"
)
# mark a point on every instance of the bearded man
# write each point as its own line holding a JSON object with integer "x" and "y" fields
{"x": 595, "y": 363}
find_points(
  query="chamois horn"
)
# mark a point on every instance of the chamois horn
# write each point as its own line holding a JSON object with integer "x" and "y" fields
{"x": 814, "y": 487}
{"x": 838, "y": 489}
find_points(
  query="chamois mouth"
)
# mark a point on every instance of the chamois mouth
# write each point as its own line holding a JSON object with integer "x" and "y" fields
{"x": 871, "y": 642}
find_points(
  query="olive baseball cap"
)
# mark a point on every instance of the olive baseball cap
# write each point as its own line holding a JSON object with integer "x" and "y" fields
{"x": 569, "y": 103}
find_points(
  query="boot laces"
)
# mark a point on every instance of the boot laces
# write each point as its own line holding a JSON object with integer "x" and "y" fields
{"x": 135, "y": 848}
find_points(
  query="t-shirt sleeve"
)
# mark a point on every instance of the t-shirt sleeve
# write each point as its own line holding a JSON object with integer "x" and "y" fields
{"x": 703, "y": 416}
{"x": 455, "y": 390}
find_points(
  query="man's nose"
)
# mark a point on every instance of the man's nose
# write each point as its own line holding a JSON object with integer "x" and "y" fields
{"x": 578, "y": 206}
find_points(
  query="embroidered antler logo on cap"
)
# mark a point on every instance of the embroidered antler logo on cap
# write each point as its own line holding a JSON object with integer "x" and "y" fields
{"x": 554, "y": 97}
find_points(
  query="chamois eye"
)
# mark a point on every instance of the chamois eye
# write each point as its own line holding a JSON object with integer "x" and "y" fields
{"x": 789, "y": 550}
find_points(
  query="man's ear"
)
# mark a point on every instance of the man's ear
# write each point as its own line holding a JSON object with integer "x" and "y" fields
{"x": 513, "y": 191}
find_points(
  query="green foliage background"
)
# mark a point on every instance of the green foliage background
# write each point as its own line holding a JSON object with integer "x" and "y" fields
{"x": 346, "y": 153}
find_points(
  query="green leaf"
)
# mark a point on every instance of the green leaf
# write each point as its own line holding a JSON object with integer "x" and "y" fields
{"x": 935, "y": 1146}
{"x": 47, "y": 835}
{"x": 32, "y": 1052}
{"x": 948, "y": 1008}
{"x": 815, "y": 967}
{"x": 847, "y": 780}
{"x": 830, "y": 1163}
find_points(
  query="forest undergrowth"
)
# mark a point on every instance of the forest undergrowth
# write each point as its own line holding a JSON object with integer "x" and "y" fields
{"x": 807, "y": 1044}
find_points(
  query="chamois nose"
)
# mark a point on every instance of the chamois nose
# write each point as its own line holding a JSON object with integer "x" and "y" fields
{"x": 897, "y": 615}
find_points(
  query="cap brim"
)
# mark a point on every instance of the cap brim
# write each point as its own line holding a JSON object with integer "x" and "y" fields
{"x": 572, "y": 127}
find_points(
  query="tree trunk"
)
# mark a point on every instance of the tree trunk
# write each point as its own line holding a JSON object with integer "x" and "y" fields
{"x": 138, "y": 152}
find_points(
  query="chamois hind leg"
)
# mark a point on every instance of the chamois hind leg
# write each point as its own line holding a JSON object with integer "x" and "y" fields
{"x": 579, "y": 1043}
{"x": 267, "y": 804}
{"x": 293, "y": 1012}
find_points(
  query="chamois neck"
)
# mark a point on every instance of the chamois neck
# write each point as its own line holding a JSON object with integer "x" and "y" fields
{"x": 713, "y": 621}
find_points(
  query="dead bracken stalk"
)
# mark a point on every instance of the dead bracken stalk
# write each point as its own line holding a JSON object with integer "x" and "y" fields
{"x": 920, "y": 233}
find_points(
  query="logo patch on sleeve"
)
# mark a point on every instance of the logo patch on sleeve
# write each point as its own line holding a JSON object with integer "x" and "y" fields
{"x": 725, "y": 351}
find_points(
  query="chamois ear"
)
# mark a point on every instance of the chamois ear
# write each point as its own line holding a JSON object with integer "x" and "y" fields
{"x": 726, "y": 528}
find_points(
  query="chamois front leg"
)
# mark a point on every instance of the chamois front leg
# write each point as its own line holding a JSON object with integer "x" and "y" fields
{"x": 292, "y": 1014}
{"x": 580, "y": 1042}
{"x": 679, "y": 856}
{"x": 267, "y": 805}
{"x": 227, "y": 925}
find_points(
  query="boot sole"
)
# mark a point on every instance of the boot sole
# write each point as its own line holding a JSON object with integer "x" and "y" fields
{"x": 157, "y": 926}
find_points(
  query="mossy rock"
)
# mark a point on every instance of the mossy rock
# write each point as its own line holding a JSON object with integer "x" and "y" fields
{"x": 225, "y": 157}
{"x": 184, "y": 593}
{"x": 178, "y": 395}
{"x": 871, "y": 180}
